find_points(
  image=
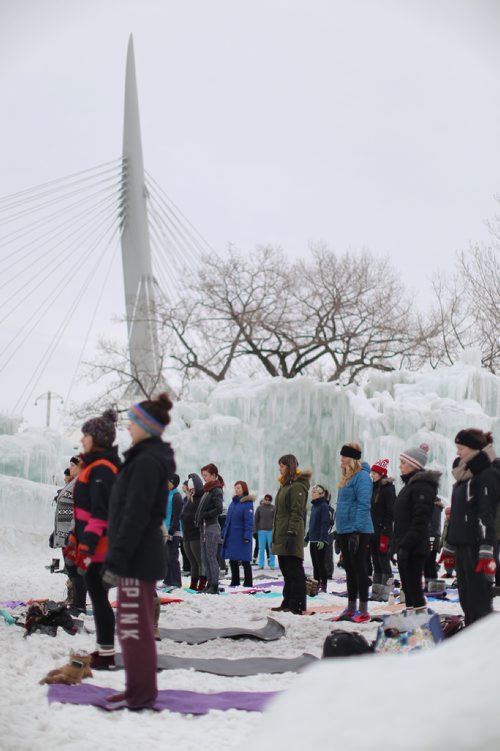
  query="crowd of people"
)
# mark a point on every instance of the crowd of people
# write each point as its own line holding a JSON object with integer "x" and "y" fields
{"x": 128, "y": 524}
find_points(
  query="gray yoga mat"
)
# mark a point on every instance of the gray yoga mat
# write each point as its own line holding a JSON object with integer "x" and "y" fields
{"x": 270, "y": 632}
{"x": 232, "y": 668}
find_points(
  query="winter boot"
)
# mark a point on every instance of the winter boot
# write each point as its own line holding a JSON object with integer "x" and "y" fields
{"x": 104, "y": 660}
{"x": 385, "y": 588}
{"x": 212, "y": 589}
{"x": 202, "y": 583}
{"x": 156, "y": 617}
{"x": 193, "y": 584}
{"x": 74, "y": 672}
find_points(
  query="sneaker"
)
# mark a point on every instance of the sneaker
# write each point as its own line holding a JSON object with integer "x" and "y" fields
{"x": 102, "y": 662}
{"x": 345, "y": 615}
{"x": 360, "y": 617}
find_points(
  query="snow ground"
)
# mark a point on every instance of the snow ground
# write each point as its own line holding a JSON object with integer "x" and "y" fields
{"x": 26, "y": 719}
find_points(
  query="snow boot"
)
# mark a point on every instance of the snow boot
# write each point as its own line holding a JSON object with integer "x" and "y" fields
{"x": 202, "y": 583}
{"x": 156, "y": 617}
{"x": 385, "y": 588}
{"x": 211, "y": 589}
{"x": 377, "y": 583}
{"x": 193, "y": 584}
{"x": 104, "y": 661}
{"x": 74, "y": 672}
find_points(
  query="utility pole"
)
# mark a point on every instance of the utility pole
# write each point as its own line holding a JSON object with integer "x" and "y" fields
{"x": 48, "y": 397}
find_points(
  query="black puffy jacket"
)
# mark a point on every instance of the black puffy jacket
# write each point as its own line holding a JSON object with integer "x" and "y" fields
{"x": 413, "y": 511}
{"x": 474, "y": 504}
{"x": 382, "y": 508}
{"x": 137, "y": 510}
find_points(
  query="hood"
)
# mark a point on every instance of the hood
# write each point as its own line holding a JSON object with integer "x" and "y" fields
{"x": 431, "y": 476}
{"x": 386, "y": 481}
{"x": 482, "y": 460}
{"x": 365, "y": 467}
{"x": 303, "y": 475}
{"x": 244, "y": 498}
{"x": 154, "y": 446}
{"x": 197, "y": 482}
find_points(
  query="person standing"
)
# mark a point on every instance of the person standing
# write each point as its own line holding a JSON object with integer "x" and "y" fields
{"x": 354, "y": 527}
{"x": 190, "y": 531}
{"x": 430, "y": 566}
{"x": 173, "y": 538}
{"x": 287, "y": 540}
{"x": 135, "y": 561}
{"x": 412, "y": 517}
{"x": 382, "y": 511}
{"x": 470, "y": 540}
{"x": 207, "y": 519}
{"x": 99, "y": 465}
{"x": 317, "y": 536}
{"x": 237, "y": 535}
{"x": 263, "y": 526}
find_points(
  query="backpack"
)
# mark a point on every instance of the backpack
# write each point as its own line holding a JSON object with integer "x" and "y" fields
{"x": 345, "y": 644}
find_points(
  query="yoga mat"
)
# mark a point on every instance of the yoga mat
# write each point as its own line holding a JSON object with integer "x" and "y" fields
{"x": 185, "y": 702}
{"x": 163, "y": 601}
{"x": 231, "y": 668}
{"x": 270, "y": 632}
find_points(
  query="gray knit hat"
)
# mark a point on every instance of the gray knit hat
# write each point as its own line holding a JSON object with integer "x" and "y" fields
{"x": 417, "y": 457}
{"x": 102, "y": 429}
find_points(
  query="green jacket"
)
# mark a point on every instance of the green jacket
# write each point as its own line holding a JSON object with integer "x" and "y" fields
{"x": 290, "y": 503}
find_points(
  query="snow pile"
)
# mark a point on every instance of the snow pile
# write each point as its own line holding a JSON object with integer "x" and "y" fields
{"x": 442, "y": 698}
{"x": 244, "y": 425}
{"x": 37, "y": 454}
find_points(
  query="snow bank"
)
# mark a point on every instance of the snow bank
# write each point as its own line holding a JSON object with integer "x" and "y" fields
{"x": 26, "y": 512}
{"x": 442, "y": 698}
{"x": 37, "y": 454}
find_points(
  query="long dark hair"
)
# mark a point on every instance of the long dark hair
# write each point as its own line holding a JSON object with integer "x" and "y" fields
{"x": 291, "y": 463}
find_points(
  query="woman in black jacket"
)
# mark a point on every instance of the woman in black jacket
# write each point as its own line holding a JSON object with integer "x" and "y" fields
{"x": 135, "y": 555}
{"x": 207, "y": 519}
{"x": 412, "y": 515}
{"x": 191, "y": 532}
{"x": 470, "y": 537}
{"x": 382, "y": 510}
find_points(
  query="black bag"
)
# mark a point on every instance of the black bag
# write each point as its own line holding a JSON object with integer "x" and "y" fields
{"x": 46, "y": 617}
{"x": 345, "y": 644}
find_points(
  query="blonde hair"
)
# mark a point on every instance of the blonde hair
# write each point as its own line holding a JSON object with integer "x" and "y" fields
{"x": 352, "y": 468}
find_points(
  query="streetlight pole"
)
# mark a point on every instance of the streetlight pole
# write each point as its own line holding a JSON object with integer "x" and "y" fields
{"x": 48, "y": 396}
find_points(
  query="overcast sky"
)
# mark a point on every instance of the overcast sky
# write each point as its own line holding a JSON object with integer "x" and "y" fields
{"x": 368, "y": 123}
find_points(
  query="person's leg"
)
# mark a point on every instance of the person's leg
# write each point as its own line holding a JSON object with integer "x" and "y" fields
{"x": 350, "y": 572}
{"x": 104, "y": 617}
{"x": 212, "y": 535}
{"x": 476, "y": 595}
{"x": 247, "y": 573}
{"x": 283, "y": 561}
{"x": 360, "y": 561}
{"x": 329, "y": 564}
{"x": 313, "y": 549}
{"x": 79, "y": 588}
{"x": 235, "y": 573}
{"x": 322, "y": 573}
{"x": 136, "y": 635}
{"x": 297, "y": 597}
{"x": 256, "y": 547}
{"x": 166, "y": 561}
{"x": 195, "y": 574}
{"x": 261, "y": 538}
{"x": 405, "y": 582}
{"x": 175, "y": 566}
{"x": 415, "y": 573}
{"x": 271, "y": 558}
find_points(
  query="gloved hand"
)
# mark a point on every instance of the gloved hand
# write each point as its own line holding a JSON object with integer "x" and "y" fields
{"x": 109, "y": 579}
{"x": 83, "y": 559}
{"x": 383, "y": 543}
{"x": 402, "y": 555}
{"x": 447, "y": 559}
{"x": 353, "y": 543}
{"x": 51, "y": 540}
{"x": 320, "y": 544}
{"x": 70, "y": 552}
{"x": 290, "y": 543}
{"x": 486, "y": 564}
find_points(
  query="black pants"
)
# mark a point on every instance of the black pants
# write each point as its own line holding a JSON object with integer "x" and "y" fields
{"x": 411, "y": 570}
{"x": 247, "y": 573}
{"x": 193, "y": 552}
{"x": 355, "y": 568}
{"x": 79, "y": 588}
{"x": 381, "y": 561}
{"x": 104, "y": 617}
{"x": 318, "y": 558}
{"x": 172, "y": 565}
{"x": 430, "y": 566}
{"x": 474, "y": 590}
{"x": 294, "y": 590}
{"x": 329, "y": 562}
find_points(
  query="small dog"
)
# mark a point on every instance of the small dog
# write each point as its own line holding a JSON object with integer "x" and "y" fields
{"x": 74, "y": 672}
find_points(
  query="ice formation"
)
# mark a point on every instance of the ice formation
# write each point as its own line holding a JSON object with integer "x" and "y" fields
{"x": 37, "y": 454}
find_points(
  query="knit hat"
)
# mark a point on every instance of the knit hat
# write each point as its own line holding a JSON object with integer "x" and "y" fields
{"x": 102, "y": 429}
{"x": 380, "y": 467}
{"x": 152, "y": 415}
{"x": 417, "y": 456}
{"x": 473, "y": 438}
{"x": 75, "y": 460}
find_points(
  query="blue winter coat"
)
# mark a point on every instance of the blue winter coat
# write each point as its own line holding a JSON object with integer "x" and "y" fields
{"x": 319, "y": 521}
{"x": 238, "y": 527}
{"x": 354, "y": 504}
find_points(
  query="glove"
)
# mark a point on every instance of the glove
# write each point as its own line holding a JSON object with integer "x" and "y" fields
{"x": 402, "y": 555}
{"x": 320, "y": 545}
{"x": 83, "y": 559}
{"x": 51, "y": 540}
{"x": 486, "y": 564}
{"x": 70, "y": 552}
{"x": 447, "y": 559}
{"x": 353, "y": 544}
{"x": 109, "y": 579}
{"x": 383, "y": 543}
{"x": 290, "y": 543}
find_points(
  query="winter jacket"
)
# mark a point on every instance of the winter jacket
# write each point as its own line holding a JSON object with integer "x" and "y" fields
{"x": 354, "y": 503}
{"x": 319, "y": 521}
{"x": 210, "y": 504}
{"x": 435, "y": 525}
{"x": 290, "y": 503}
{"x": 173, "y": 513}
{"x": 91, "y": 496}
{"x": 63, "y": 519}
{"x": 238, "y": 528}
{"x": 413, "y": 511}
{"x": 190, "y": 531}
{"x": 137, "y": 511}
{"x": 474, "y": 503}
{"x": 264, "y": 517}
{"x": 382, "y": 508}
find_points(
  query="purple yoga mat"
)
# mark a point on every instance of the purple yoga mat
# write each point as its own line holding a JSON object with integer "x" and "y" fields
{"x": 185, "y": 702}
{"x": 269, "y": 583}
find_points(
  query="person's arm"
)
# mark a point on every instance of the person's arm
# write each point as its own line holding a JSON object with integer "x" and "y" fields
{"x": 325, "y": 523}
{"x": 214, "y": 507}
{"x": 363, "y": 500}
{"x": 248, "y": 521}
{"x": 100, "y": 483}
{"x": 296, "y": 503}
